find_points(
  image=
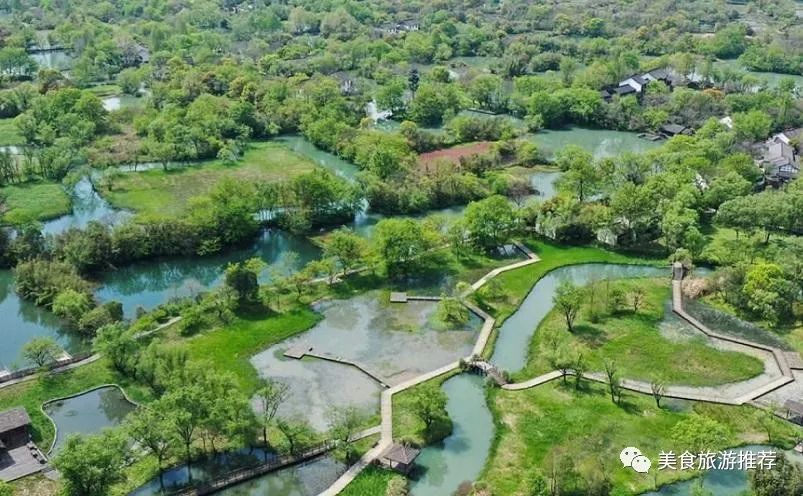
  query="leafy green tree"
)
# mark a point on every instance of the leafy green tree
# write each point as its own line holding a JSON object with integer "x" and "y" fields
{"x": 186, "y": 409}
{"x": 433, "y": 101}
{"x": 119, "y": 346}
{"x": 782, "y": 479}
{"x": 429, "y": 404}
{"x": 270, "y": 397}
{"x": 71, "y": 305}
{"x": 90, "y": 465}
{"x": 581, "y": 176}
{"x": 754, "y": 125}
{"x": 344, "y": 423}
{"x": 390, "y": 96}
{"x": 568, "y": 300}
{"x": 346, "y": 247}
{"x": 452, "y": 312}
{"x": 488, "y": 91}
{"x": 298, "y": 434}
{"x": 242, "y": 278}
{"x": 726, "y": 187}
{"x": 41, "y": 351}
{"x": 768, "y": 293}
{"x": 698, "y": 433}
{"x": 6, "y": 489}
{"x": 490, "y": 223}
{"x": 403, "y": 245}
{"x": 149, "y": 428}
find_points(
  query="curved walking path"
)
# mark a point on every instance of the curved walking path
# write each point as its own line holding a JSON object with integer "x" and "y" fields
{"x": 778, "y": 370}
{"x": 86, "y": 361}
{"x": 386, "y": 398}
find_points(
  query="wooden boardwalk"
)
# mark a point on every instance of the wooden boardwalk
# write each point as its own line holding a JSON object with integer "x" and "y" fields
{"x": 245, "y": 474}
{"x": 780, "y": 376}
{"x": 386, "y": 399}
{"x": 300, "y": 351}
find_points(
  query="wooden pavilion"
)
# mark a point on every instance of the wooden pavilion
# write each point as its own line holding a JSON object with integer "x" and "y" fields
{"x": 399, "y": 457}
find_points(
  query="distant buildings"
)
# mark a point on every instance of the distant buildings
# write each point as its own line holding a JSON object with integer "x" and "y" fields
{"x": 636, "y": 83}
{"x": 780, "y": 159}
{"x": 404, "y": 26}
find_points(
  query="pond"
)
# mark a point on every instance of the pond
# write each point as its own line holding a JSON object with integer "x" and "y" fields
{"x": 87, "y": 206}
{"x": 117, "y": 102}
{"x": 149, "y": 283}
{"x": 23, "y": 321}
{"x": 601, "y": 143}
{"x": 720, "y": 482}
{"x": 512, "y": 345}
{"x": 441, "y": 468}
{"x": 88, "y": 413}
{"x": 394, "y": 341}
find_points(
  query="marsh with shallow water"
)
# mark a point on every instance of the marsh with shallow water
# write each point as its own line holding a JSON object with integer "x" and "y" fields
{"x": 393, "y": 340}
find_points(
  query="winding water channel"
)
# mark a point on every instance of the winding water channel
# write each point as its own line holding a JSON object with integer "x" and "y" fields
{"x": 510, "y": 352}
{"x": 442, "y": 467}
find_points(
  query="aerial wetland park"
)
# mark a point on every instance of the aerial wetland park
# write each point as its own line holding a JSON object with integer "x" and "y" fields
{"x": 401, "y": 248}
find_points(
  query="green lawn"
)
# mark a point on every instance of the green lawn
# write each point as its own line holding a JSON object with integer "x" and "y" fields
{"x": 373, "y": 481}
{"x": 33, "y": 201}
{"x": 517, "y": 283}
{"x": 406, "y": 423}
{"x": 229, "y": 348}
{"x": 9, "y": 135}
{"x": 634, "y": 341}
{"x": 159, "y": 192}
{"x": 33, "y": 394}
{"x": 538, "y": 425}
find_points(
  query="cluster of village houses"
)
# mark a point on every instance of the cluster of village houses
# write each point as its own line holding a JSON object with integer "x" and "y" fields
{"x": 778, "y": 157}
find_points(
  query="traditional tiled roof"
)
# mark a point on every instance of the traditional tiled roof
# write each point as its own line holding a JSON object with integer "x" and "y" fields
{"x": 401, "y": 453}
{"x": 13, "y": 419}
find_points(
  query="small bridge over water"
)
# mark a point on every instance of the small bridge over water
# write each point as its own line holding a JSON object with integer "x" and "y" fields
{"x": 489, "y": 370}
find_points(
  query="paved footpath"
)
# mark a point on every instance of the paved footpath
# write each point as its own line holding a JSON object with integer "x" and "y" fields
{"x": 778, "y": 375}
{"x": 386, "y": 399}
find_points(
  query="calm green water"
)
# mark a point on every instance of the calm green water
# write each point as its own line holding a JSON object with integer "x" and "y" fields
{"x": 307, "y": 479}
{"x": 771, "y": 78}
{"x": 600, "y": 142}
{"x": 327, "y": 160}
{"x": 87, "y": 206}
{"x": 719, "y": 482}
{"x": 89, "y": 413}
{"x": 460, "y": 457}
{"x": 510, "y": 351}
{"x": 393, "y": 340}
{"x": 111, "y": 103}
{"x": 23, "y": 321}
{"x": 150, "y": 283}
